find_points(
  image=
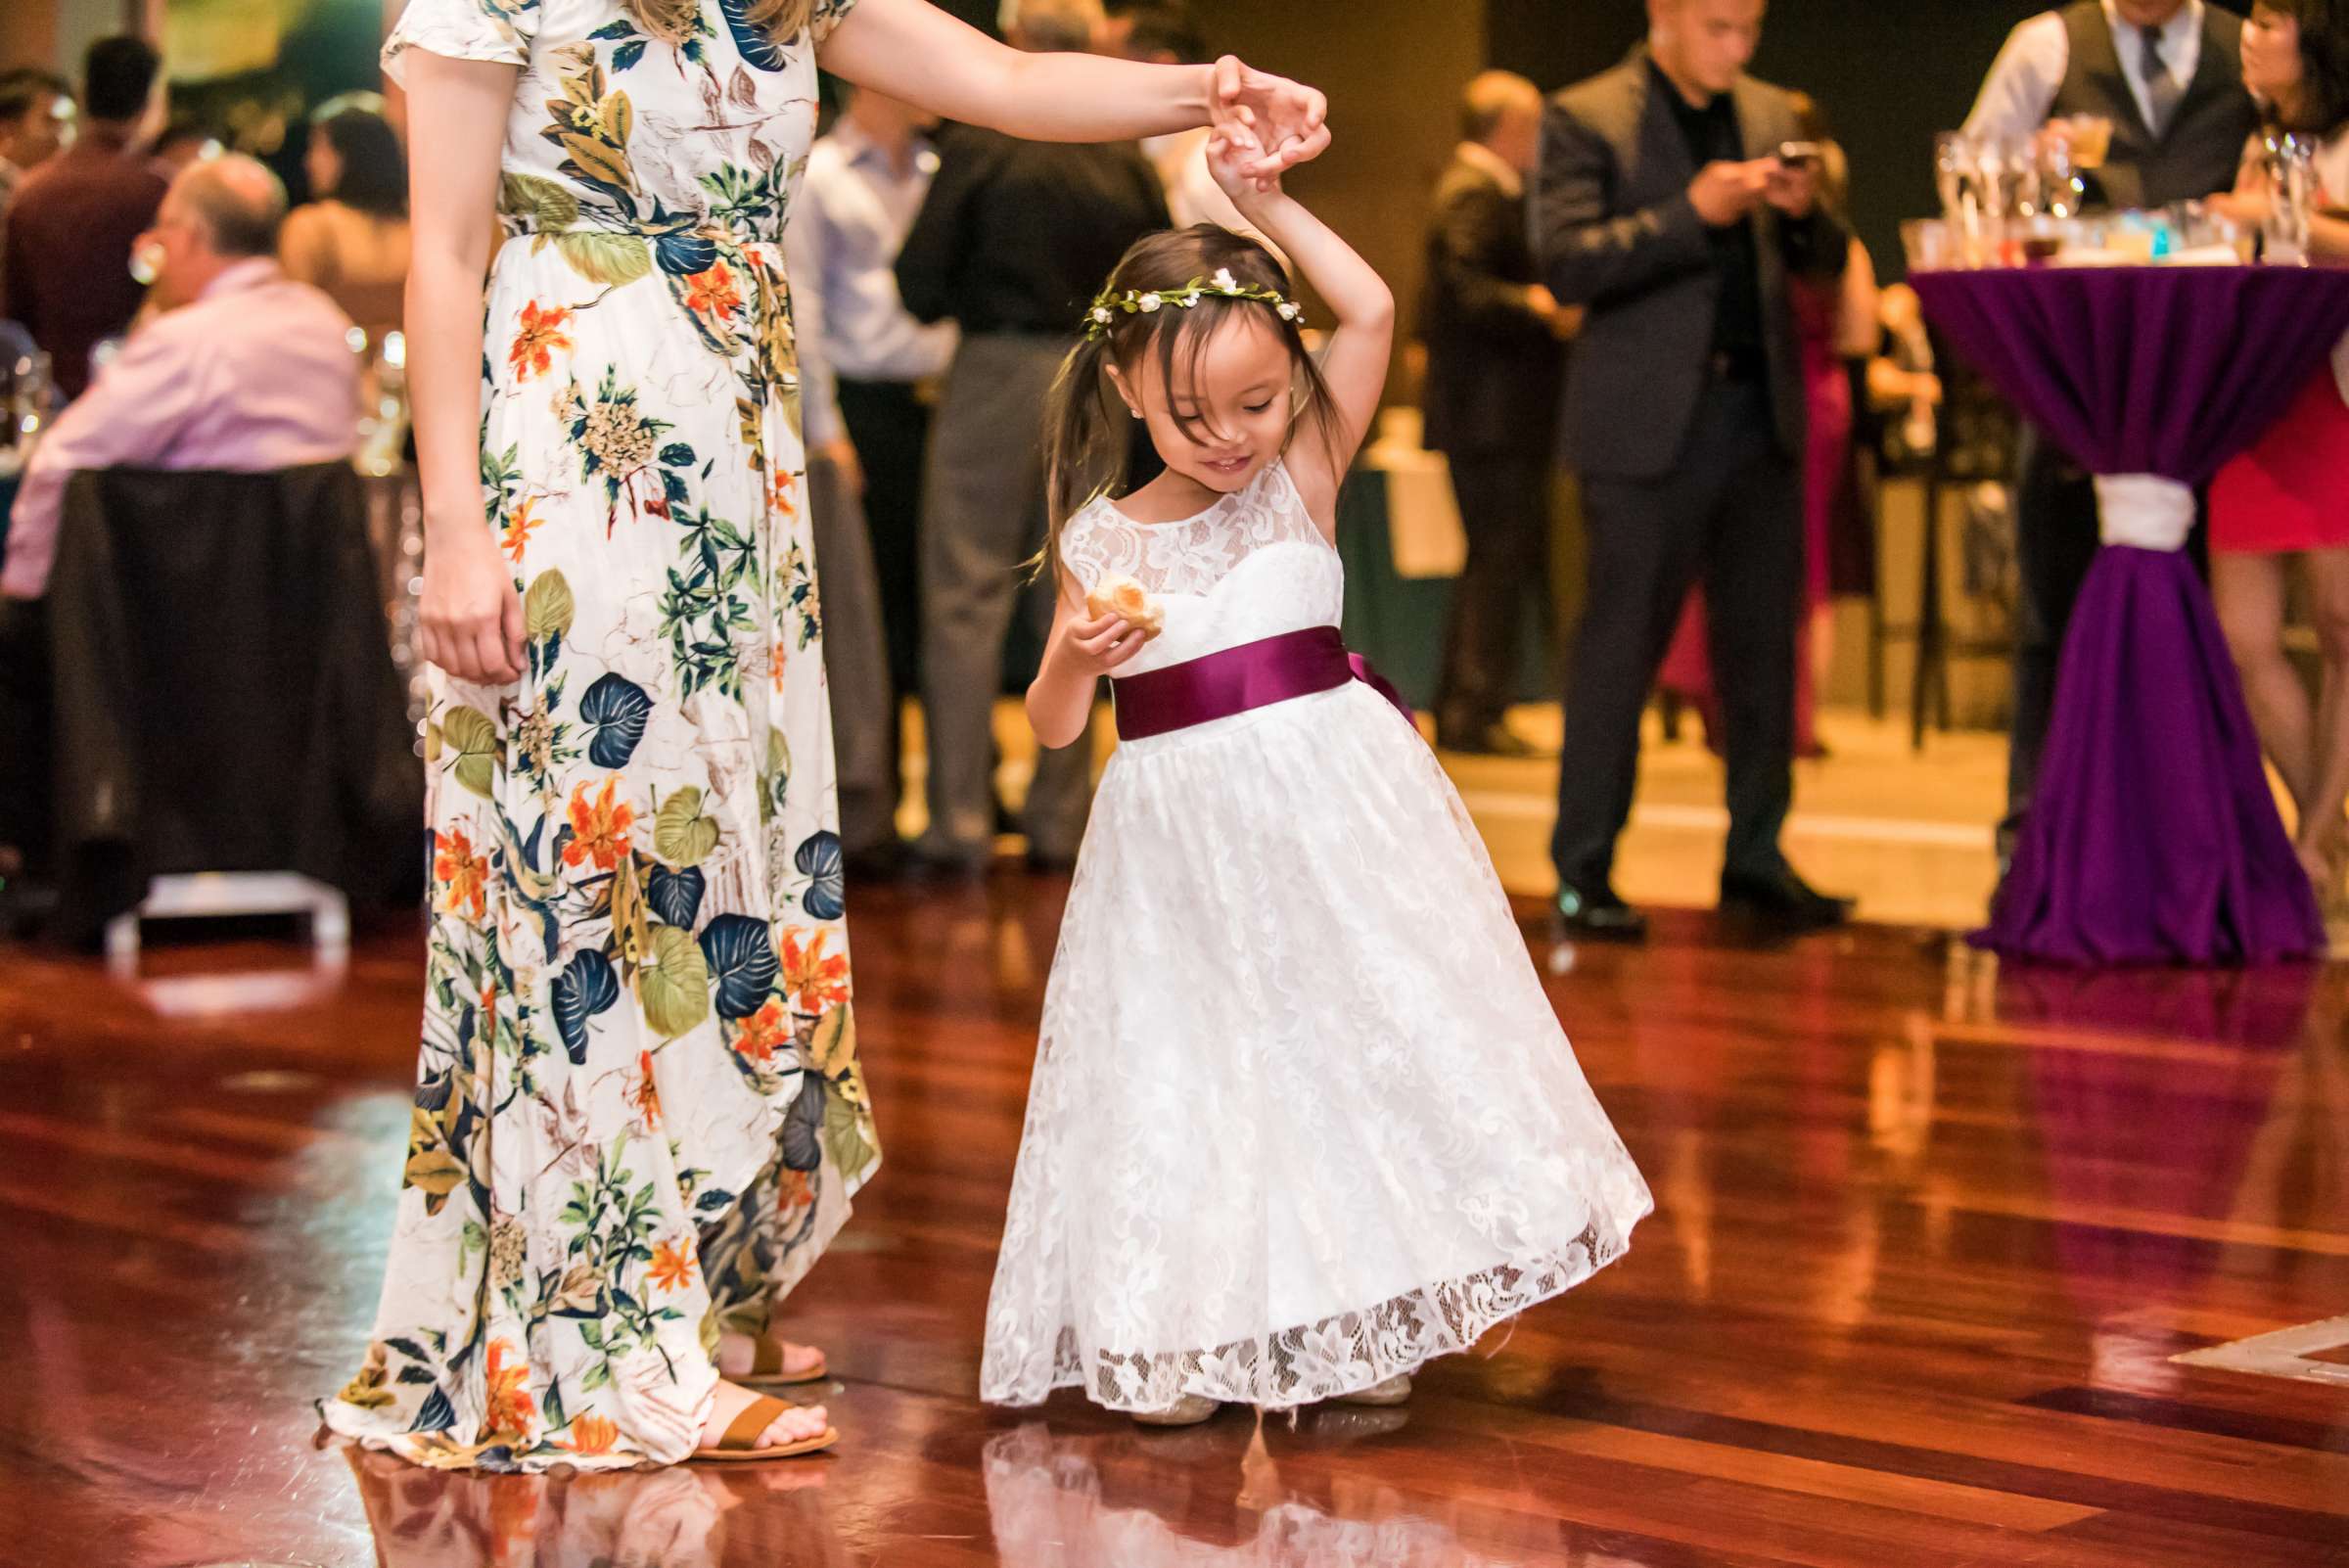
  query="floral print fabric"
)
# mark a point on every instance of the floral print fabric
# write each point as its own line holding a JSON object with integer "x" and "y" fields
{"x": 639, "y": 1115}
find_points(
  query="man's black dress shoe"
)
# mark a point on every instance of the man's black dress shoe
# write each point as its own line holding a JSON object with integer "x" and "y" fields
{"x": 1782, "y": 902}
{"x": 1496, "y": 739}
{"x": 1599, "y": 916}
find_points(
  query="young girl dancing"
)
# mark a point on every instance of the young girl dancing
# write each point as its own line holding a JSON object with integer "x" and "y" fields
{"x": 1302, "y": 1118}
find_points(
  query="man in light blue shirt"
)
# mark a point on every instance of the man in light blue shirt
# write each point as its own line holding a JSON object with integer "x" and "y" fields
{"x": 2167, "y": 74}
{"x": 865, "y": 185}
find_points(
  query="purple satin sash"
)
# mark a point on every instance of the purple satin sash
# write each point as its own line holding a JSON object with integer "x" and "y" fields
{"x": 1235, "y": 680}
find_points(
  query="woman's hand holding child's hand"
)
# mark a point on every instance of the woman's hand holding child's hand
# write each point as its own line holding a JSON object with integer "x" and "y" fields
{"x": 1232, "y": 160}
{"x": 1278, "y": 123}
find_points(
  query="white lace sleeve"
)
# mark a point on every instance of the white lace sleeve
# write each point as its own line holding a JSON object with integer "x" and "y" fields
{"x": 499, "y": 30}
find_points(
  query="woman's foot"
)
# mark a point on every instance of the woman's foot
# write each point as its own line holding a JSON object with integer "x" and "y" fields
{"x": 1188, "y": 1410}
{"x": 798, "y": 1424}
{"x": 1380, "y": 1396}
{"x": 739, "y": 1356}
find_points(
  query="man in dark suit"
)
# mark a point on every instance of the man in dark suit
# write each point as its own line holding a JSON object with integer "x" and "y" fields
{"x": 1496, "y": 362}
{"x": 1662, "y": 206}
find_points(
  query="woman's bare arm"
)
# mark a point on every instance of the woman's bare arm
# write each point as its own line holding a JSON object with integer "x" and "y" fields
{"x": 470, "y": 612}
{"x": 911, "y": 50}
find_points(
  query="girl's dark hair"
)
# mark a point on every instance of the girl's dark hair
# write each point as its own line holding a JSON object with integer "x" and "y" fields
{"x": 2323, "y": 61}
{"x": 1087, "y": 423}
{"x": 374, "y": 171}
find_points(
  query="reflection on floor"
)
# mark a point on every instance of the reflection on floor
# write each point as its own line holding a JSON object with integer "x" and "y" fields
{"x": 1930, "y": 1238}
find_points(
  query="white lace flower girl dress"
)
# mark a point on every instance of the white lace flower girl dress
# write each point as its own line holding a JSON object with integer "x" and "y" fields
{"x": 1302, "y": 1118}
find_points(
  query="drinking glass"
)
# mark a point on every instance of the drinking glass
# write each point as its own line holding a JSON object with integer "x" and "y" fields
{"x": 2061, "y": 189}
{"x": 1967, "y": 200}
{"x": 24, "y": 395}
{"x": 2291, "y": 182}
{"x": 1927, "y": 244}
{"x": 1951, "y": 155}
{"x": 383, "y": 407}
{"x": 2091, "y": 139}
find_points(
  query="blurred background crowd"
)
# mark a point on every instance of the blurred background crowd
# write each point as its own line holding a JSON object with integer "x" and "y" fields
{"x": 201, "y": 267}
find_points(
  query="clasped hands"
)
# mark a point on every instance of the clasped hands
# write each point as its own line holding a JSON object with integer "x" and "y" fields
{"x": 1273, "y": 122}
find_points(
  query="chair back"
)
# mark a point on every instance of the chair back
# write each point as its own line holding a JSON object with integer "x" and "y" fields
{"x": 223, "y": 686}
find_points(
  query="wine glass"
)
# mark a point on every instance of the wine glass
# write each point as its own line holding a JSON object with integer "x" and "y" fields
{"x": 24, "y": 395}
{"x": 2291, "y": 182}
{"x": 1951, "y": 155}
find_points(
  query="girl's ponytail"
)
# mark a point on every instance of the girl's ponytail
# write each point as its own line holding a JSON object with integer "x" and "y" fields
{"x": 1085, "y": 443}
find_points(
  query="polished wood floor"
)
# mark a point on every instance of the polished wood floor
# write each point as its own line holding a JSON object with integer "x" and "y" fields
{"x": 1929, "y": 1239}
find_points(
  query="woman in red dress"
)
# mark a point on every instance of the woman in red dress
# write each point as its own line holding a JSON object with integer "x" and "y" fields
{"x": 2289, "y": 496}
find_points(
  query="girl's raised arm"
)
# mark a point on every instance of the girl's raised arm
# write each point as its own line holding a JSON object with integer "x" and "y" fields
{"x": 1354, "y": 363}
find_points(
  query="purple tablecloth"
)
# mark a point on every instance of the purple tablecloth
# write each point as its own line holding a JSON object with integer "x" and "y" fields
{"x": 2152, "y": 837}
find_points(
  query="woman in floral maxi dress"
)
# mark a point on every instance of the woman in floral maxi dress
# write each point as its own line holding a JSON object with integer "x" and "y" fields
{"x": 639, "y": 1115}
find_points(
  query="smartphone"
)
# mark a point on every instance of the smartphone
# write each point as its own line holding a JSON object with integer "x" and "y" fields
{"x": 1797, "y": 153}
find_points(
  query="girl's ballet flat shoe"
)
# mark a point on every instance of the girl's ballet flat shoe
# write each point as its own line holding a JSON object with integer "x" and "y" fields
{"x": 1188, "y": 1410}
{"x": 1394, "y": 1391}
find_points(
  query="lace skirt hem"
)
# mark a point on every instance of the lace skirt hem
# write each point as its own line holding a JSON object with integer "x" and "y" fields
{"x": 1336, "y": 1356}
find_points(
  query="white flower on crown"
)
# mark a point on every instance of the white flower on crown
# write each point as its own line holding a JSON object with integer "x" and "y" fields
{"x": 1148, "y": 302}
{"x": 1288, "y": 311}
{"x": 1102, "y": 314}
{"x": 1225, "y": 280}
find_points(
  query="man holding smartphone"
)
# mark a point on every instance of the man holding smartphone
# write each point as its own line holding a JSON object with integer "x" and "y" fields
{"x": 1663, "y": 204}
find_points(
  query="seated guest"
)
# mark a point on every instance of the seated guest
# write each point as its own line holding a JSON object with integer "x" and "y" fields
{"x": 243, "y": 369}
{"x": 2283, "y": 497}
{"x": 66, "y": 273}
{"x": 351, "y": 239}
{"x": 36, "y": 120}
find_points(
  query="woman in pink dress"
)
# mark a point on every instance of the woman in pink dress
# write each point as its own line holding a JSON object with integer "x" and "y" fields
{"x": 1834, "y": 322}
{"x": 2289, "y": 496}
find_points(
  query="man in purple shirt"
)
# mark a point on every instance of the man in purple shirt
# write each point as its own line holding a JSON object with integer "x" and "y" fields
{"x": 242, "y": 369}
{"x": 36, "y": 123}
{"x": 65, "y": 273}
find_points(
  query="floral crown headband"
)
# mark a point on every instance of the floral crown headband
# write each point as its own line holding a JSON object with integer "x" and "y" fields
{"x": 1148, "y": 302}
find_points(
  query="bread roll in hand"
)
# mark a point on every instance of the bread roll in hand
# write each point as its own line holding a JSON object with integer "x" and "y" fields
{"x": 1123, "y": 597}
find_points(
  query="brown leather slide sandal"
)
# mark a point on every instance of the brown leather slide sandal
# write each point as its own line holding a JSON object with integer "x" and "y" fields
{"x": 756, "y": 1417}
{"x": 766, "y": 1366}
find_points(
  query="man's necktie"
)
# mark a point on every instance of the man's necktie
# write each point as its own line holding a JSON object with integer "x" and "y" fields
{"x": 2162, "y": 90}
